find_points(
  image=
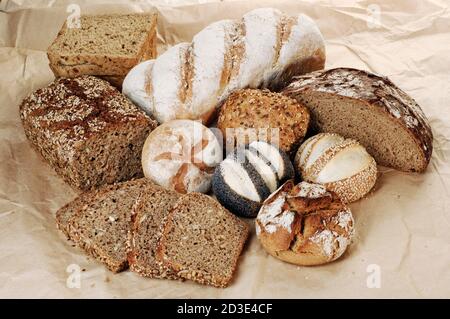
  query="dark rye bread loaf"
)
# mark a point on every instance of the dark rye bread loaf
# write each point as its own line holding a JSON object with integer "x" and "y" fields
{"x": 87, "y": 130}
{"x": 371, "y": 109}
{"x": 202, "y": 241}
{"x": 99, "y": 221}
{"x": 147, "y": 218}
{"x": 260, "y": 114}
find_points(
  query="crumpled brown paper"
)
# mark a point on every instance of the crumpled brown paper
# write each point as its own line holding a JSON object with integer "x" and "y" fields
{"x": 402, "y": 247}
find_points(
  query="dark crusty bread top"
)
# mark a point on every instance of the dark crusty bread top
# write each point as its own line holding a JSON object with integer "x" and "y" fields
{"x": 72, "y": 110}
{"x": 374, "y": 89}
{"x": 111, "y": 34}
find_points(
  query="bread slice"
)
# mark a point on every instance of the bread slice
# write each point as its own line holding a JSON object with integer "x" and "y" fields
{"x": 202, "y": 241}
{"x": 87, "y": 130}
{"x": 253, "y": 114}
{"x": 148, "y": 216}
{"x": 99, "y": 221}
{"x": 103, "y": 45}
{"x": 371, "y": 109}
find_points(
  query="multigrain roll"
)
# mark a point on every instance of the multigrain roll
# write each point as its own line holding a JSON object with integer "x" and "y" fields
{"x": 304, "y": 224}
{"x": 250, "y": 114}
{"x": 341, "y": 165}
{"x": 247, "y": 176}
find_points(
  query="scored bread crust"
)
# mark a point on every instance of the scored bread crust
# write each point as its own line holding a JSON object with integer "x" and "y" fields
{"x": 376, "y": 92}
{"x": 349, "y": 189}
{"x": 308, "y": 226}
{"x": 200, "y": 276}
{"x": 113, "y": 68}
{"x": 265, "y": 48}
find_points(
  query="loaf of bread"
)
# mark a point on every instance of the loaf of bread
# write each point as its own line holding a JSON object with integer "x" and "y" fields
{"x": 202, "y": 241}
{"x": 370, "y": 109}
{"x": 190, "y": 80}
{"x": 248, "y": 175}
{"x": 181, "y": 155}
{"x": 341, "y": 165}
{"x": 107, "y": 46}
{"x": 304, "y": 224}
{"x": 249, "y": 115}
{"x": 87, "y": 130}
{"x": 98, "y": 221}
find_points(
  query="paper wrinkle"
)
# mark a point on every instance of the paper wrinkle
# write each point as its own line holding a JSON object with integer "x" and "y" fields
{"x": 402, "y": 225}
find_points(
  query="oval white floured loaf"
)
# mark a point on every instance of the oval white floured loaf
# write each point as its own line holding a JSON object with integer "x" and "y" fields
{"x": 181, "y": 155}
{"x": 304, "y": 224}
{"x": 342, "y": 165}
{"x": 248, "y": 175}
{"x": 189, "y": 81}
{"x": 371, "y": 109}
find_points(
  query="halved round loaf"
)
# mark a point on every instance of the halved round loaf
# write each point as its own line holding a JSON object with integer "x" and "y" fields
{"x": 181, "y": 155}
{"x": 248, "y": 175}
{"x": 250, "y": 114}
{"x": 342, "y": 165}
{"x": 304, "y": 224}
{"x": 371, "y": 109}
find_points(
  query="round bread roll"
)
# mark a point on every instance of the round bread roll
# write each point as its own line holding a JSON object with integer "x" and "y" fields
{"x": 247, "y": 115}
{"x": 248, "y": 175}
{"x": 181, "y": 155}
{"x": 341, "y": 165}
{"x": 304, "y": 224}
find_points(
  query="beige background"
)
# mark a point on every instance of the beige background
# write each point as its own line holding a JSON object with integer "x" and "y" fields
{"x": 402, "y": 226}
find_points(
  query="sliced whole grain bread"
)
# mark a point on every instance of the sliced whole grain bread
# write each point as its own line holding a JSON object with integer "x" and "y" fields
{"x": 99, "y": 221}
{"x": 202, "y": 240}
{"x": 147, "y": 219}
{"x": 371, "y": 109}
{"x": 103, "y": 45}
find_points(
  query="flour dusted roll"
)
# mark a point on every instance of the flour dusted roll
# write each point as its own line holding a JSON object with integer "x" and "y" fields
{"x": 304, "y": 224}
{"x": 247, "y": 176}
{"x": 181, "y": 155}
{"x": 190, "y": 80}
{"x": 342, "y": 165}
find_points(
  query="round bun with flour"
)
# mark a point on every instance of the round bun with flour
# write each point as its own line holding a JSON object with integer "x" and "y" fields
{"x": 341, "y": 165}
{"x": 181, "y": 155}
{"x": 304, "y": 224}
{"x": 249, "y": 175}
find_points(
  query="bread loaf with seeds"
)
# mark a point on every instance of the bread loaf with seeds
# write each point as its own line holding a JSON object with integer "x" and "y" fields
{"x": 87, "y": 130}
{"x": 342, "y": 165}
{"x": 266, "y": 48}
{"x": 304, "y": 224}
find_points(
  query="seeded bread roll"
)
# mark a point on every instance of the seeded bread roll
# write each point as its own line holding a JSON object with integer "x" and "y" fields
{"x": 370, "y": 109}
{"x": 181, "y": 155}
{"x": 342, "y": 165}
{"x": 266, "y": 48}
{"x": 202, "y": 241}
{"x": 247, "y": 176}
{"x": 304, "y": 224}
{"x": 106, "y": 46}
{"x": 87, "y": 130}
{"x": 260, "y": 114}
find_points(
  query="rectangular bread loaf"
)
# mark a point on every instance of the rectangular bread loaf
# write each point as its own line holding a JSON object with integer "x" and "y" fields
{"x": 87, "y": 130}
{"x": 103, "y": 45}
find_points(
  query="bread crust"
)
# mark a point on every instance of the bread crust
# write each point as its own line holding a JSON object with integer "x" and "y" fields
{"x": 376, "y": 92}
